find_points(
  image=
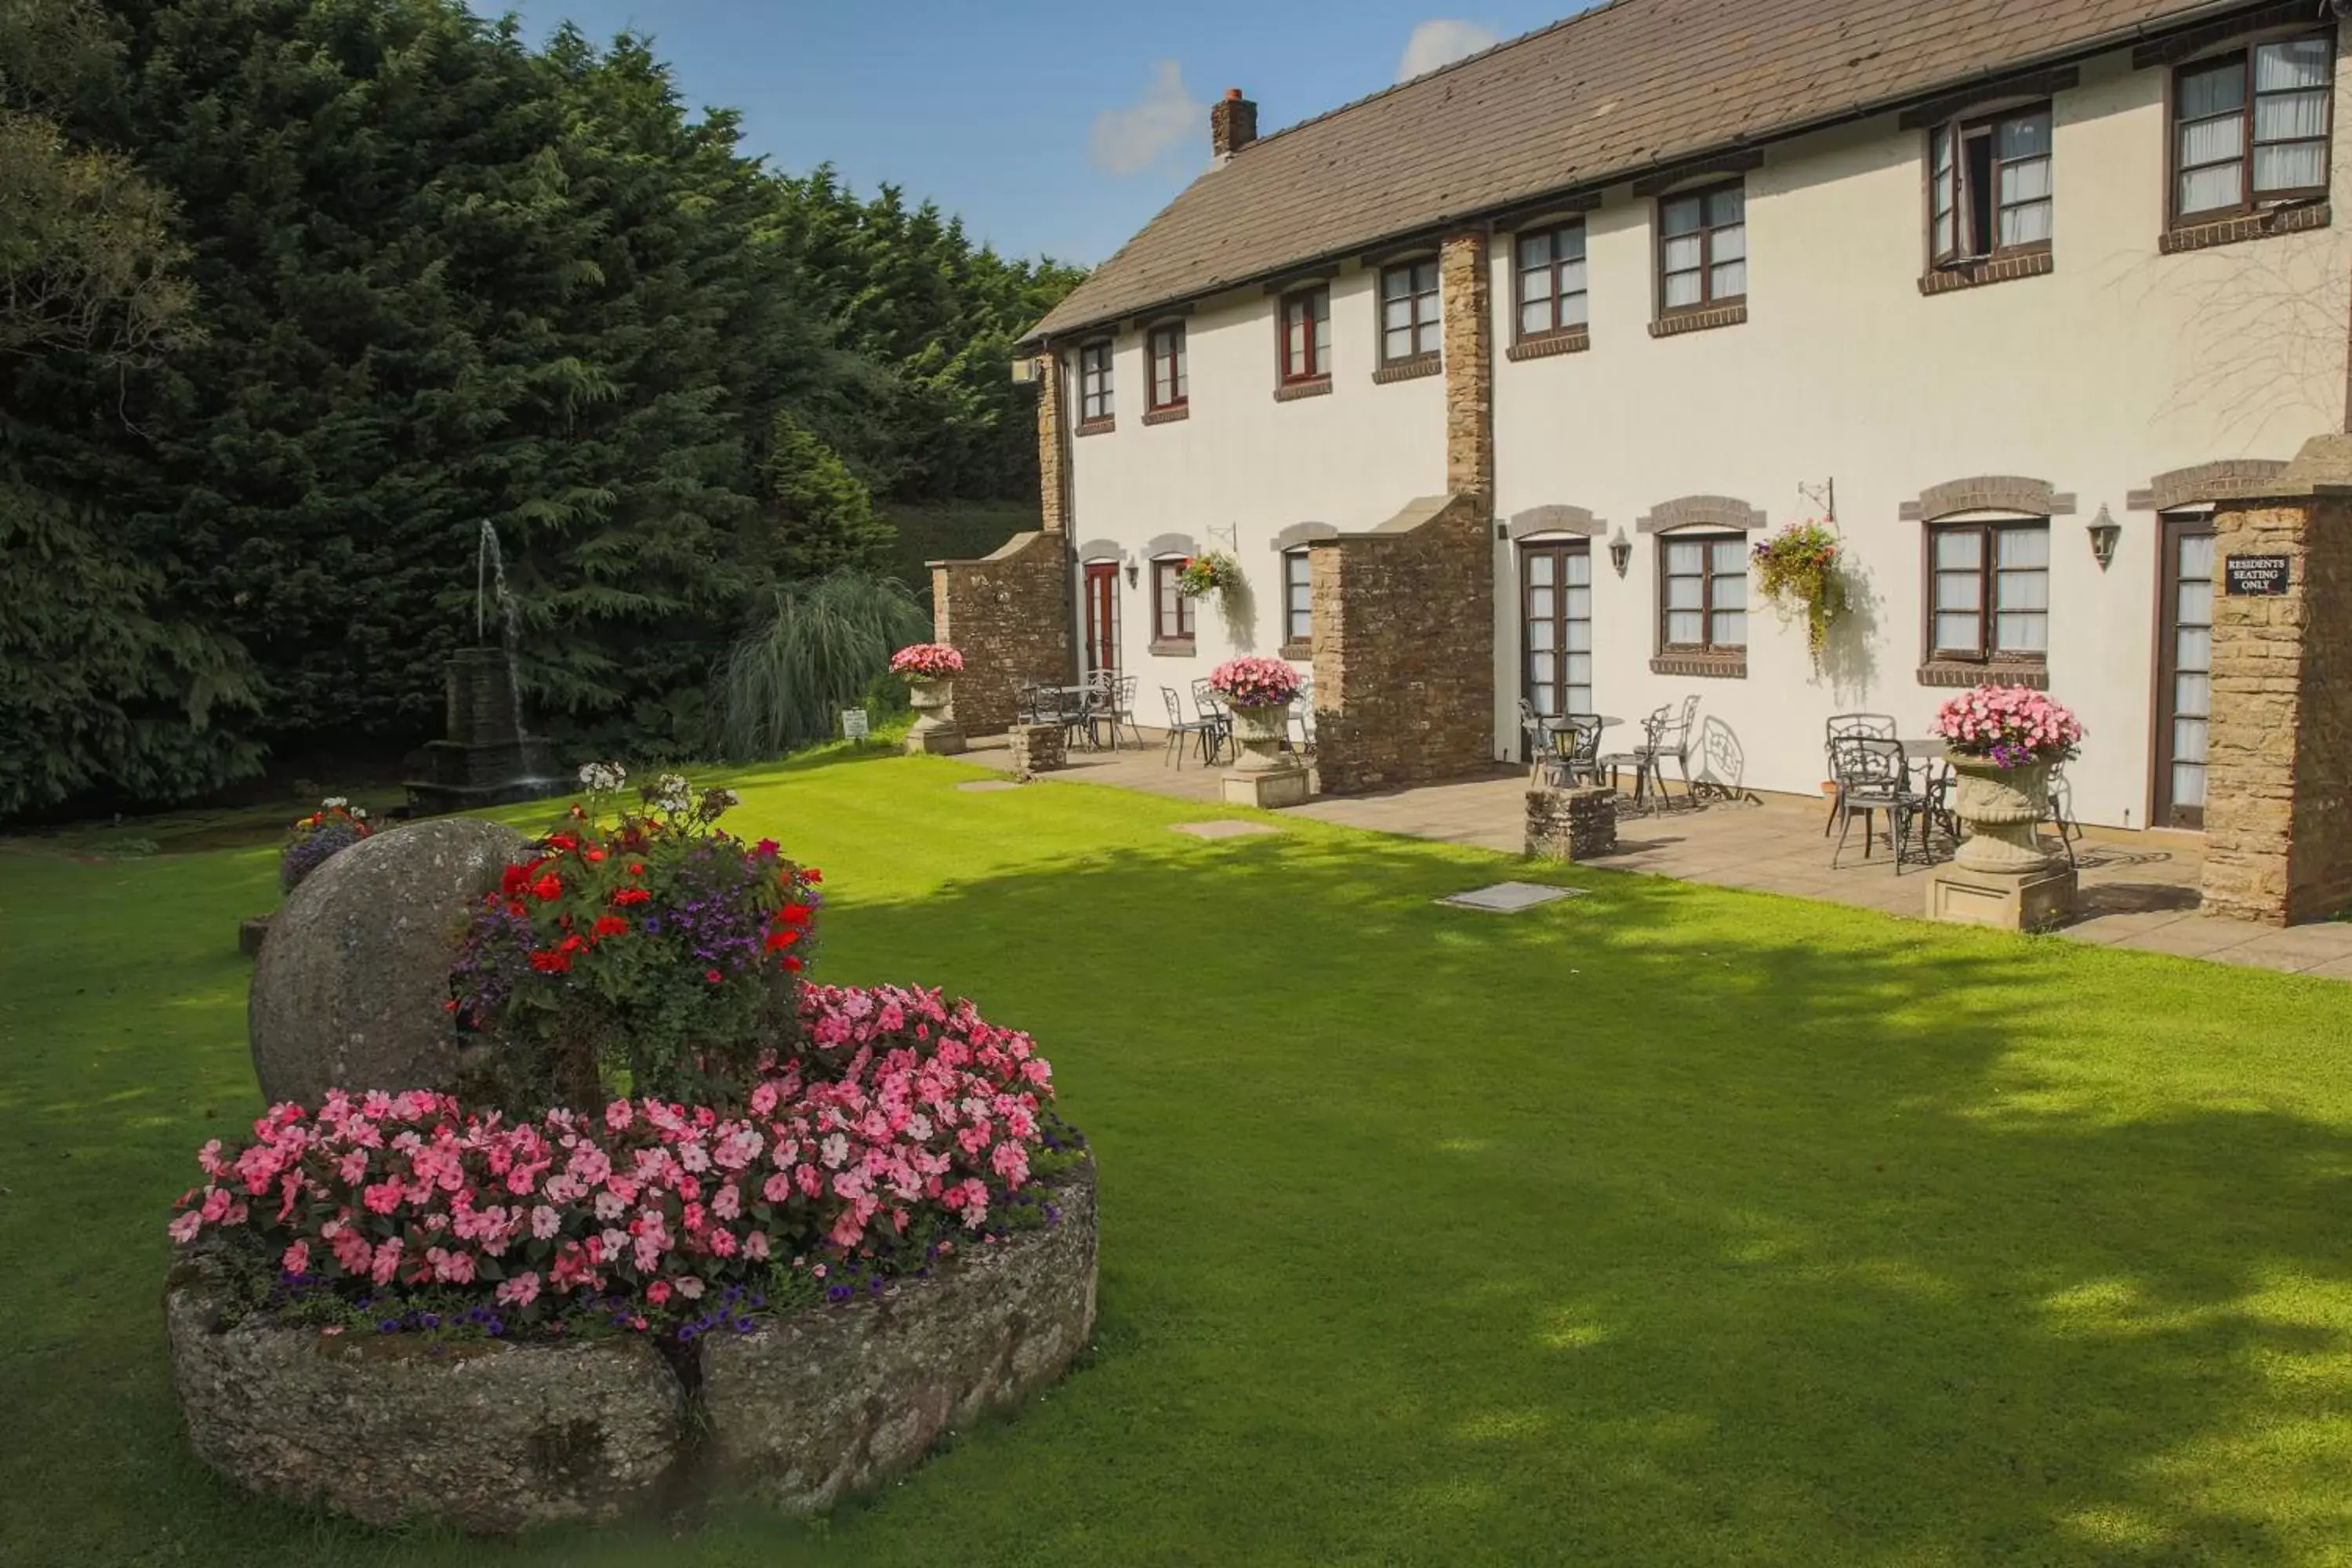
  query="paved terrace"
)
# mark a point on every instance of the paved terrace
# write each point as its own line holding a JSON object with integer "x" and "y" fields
{"x": 2138, "y": 889}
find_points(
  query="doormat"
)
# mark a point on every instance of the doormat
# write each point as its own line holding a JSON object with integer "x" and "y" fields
{"x": 1510, "y": 898}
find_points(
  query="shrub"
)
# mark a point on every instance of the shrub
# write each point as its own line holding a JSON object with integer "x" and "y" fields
{"x": 904, "y": 1121}
{"x": 2009, "y": 726}
{"x": 317, "y": 838}
{"x": 1255, "y": 683}
{"x": 819, "y": 648}
{"x": 653, "y": 957}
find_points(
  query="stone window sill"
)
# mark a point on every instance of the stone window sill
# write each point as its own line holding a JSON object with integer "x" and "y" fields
{"x": 1543, "y": 346}
{"x": 2246, "y": 225}
{"x": 1172, "y": 647}
{"x": 1990, "y": 270}
{"x": 1297, "y": 652}
{"x": 1411, "y": 369}
{"x": 1291, "y": 391}
{"x": 1169, "y": 414}
{"x": 1949, "y": 672}
{"x": 1706, "y": 666}
{"x": 1096, "y": 427}
{"x": 1682, "y": 322}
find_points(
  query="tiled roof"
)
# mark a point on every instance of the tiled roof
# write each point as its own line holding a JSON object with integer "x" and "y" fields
{"x": 1606, "y": 95}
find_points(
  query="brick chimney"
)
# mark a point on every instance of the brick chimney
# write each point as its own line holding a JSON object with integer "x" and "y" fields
{"x": 1232, "y": 125}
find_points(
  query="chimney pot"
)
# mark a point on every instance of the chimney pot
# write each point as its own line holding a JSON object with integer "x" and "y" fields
{"x": 1232, "y": 124}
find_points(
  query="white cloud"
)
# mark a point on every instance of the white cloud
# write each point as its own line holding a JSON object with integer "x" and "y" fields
{"x": 1442, "y": 42}
{"x": 1131, "y": 140}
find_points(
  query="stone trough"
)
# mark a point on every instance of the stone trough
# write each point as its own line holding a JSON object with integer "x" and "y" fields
{"x": 498, "y": 1436}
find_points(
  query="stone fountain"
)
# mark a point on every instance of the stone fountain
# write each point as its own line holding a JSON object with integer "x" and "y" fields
{"x": 485, "y": 757}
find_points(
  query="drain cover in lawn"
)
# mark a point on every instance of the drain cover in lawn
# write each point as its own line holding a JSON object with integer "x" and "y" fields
{"x": 980, "y": 785}
{"x": 1510, "y": 898}
{"x": 1222, "y": 829}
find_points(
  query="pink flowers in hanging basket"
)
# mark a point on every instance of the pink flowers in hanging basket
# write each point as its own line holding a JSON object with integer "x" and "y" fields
{"x": 2008, "y": 726}
{"x": 927, "y": 661}
{"x": 1255, "y": 683}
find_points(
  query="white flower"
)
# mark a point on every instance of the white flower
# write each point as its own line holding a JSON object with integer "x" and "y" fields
{"x": 602, "y": 778}
{"x": 334, "y": 801}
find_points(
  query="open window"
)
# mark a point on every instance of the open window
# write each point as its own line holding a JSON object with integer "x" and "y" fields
{"x": 1990, "y": 185}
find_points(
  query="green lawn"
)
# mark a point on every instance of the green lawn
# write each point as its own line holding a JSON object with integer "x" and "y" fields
{"x": 1667, "y": 1224}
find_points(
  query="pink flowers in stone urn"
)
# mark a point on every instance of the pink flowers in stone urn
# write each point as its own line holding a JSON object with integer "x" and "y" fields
{"x": 2008, "y": 726}
{"x": 1252, "y": 682}
{"x": 927, "y": 661}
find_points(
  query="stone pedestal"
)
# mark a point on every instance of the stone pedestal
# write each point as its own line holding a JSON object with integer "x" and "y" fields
{"x": 1260, "y": 774}
{"x": 2009, "y": 901}
{"x": 1039, "y": 748}
{"x": 1571, "y": 825}
{"x": 2278, "y": 774}
{"x": 934, "y": 731}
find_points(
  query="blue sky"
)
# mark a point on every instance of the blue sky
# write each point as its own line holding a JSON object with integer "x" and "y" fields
{"x": 1051, "y": 125}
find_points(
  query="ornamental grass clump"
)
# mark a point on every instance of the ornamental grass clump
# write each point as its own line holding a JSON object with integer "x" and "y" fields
{"x": 317, "y": 838}
{"x": 655, "y": 955}
{"x": 1797, "y": 569}
{"x": 927, "y": 661}
{"x": 2008, "y": 726}
{"x": 904, "y": 1123}
{"x": 1252, "y": 682}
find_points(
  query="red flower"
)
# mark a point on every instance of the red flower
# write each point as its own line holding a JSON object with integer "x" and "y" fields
{"x": 512, "y": 881}
{"x": 766, "y": 849}
{"x": 550, "y": 963}
{"x": 636, "y": 868}
{"x": 795, "y": 914}
{"x": 594, "y": 856}
{"x": 791, "y": 965}
{"x": 548, "y": 888}
{"x": 713, "y": 976}
{"x": 569, "y": 944}
{"x": 811, "y": 874}
{"x": 611, "y": 925}
{"x": 562, "y": 841}
{"x": 782, "y": 936}
{"x": 517, "y": 907}
{"x": 631, "y": 896}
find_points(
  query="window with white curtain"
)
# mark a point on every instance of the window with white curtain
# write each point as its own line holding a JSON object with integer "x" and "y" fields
{"x": 2251, "y": 126}
{"x": 1989, "y": 590}
{"x": 1703, "y": 248}
{"x": 1703, "y": 593}
{"x": 1989, "y": 181}
{"x": 1551, "y": 280}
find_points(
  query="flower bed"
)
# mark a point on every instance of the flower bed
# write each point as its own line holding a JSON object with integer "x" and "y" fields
{"x": 315, "y": 839}
{"x": 1251, "y": 682}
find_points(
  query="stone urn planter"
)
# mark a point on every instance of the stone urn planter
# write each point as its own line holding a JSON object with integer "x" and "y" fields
{"x": 2001, "y": 876}
{"x": 1998, "y": 808}
{"x": 1260, "y": 774}
{"x": 933, "y": 701}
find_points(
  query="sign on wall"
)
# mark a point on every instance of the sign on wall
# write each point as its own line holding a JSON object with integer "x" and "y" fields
{"x": 2259, "y": 576}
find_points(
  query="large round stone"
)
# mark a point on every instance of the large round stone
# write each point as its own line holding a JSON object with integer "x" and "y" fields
{"x": 348, "y": 989}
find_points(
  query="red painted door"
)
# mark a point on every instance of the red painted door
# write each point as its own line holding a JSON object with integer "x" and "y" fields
{"x": 1101, "y": 599}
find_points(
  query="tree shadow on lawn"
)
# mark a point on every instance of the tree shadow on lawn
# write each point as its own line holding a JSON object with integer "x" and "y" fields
{"x": 1668, "y": 1223}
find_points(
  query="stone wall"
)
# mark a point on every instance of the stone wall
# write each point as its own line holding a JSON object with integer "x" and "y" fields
{"x": 2278, "y": 844}
{"x": 1469, "y": 326}
{"x": 1404, "y": 663}
{"x": 1053, "y": 446}
{"x": 1009, "y": 615}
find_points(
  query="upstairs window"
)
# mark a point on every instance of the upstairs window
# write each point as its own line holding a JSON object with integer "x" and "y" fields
{"x": 1408, "y": 324}
{"x": 1306, "y": 334}
{"x": 1703, "y": 248}
{"x": 1992, "y": 184}
{"x": 1551, "y": 280}
{"x": 1166, "y": 353}
{"x": 1990, "y": 591}
{"x": 2251, "y": 127}
{"x": 1703, "y": 594}
{"x": 1093, "y": 382}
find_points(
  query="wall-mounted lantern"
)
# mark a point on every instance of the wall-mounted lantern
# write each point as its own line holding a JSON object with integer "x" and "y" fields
{"x": 1132, "y": 569}
{"x": 1620, "y": 552}
{"x": 2105, "y": 533}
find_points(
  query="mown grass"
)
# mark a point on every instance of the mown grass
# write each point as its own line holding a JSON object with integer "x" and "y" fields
{"x": 1666, "y": 1225}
